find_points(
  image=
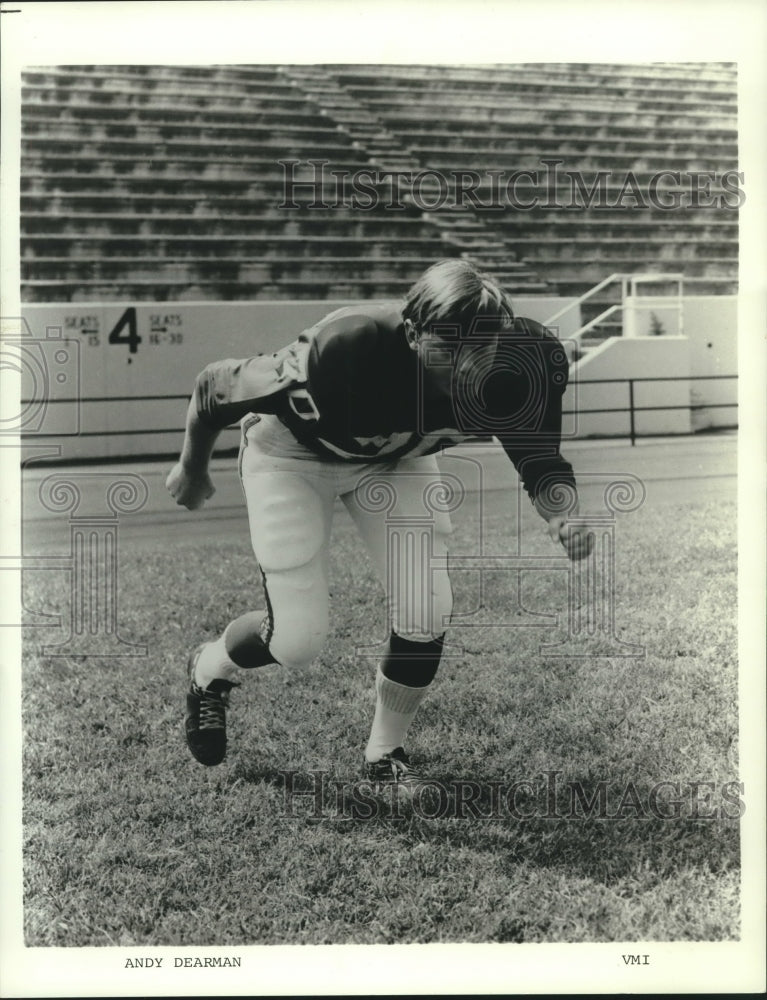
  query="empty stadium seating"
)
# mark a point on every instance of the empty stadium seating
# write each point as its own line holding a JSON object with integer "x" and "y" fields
{"x": 590, "y": 118}
{"x": 162, "y": 182}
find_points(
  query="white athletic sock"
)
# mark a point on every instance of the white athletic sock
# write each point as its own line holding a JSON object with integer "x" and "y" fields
{"x": 396, "y": 705}
{"x": 214, "y": 664}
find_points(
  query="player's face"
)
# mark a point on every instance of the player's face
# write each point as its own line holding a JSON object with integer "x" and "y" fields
{"x": 448, "y": 364}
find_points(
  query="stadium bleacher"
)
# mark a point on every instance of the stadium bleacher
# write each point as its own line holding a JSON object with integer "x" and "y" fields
{"x": 165, "y": 182}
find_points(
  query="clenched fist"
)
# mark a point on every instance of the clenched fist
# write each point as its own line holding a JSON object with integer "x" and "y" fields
{"x": 576, "y": 539}
{"x": 189, "y": 489}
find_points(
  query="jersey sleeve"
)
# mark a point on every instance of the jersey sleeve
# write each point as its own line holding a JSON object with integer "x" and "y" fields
{"x": 315, "y": 365}
{"x": 535, "y": 452}
{"x": 542, "y": 468}
{"x": 227, "y": 390}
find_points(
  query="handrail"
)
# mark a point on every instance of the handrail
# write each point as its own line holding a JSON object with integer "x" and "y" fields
{"x": 582, "y": 298}
{"x": 632, "y": 409}
{"x": 598, "y": 319}
{"x": 626, "y": 278}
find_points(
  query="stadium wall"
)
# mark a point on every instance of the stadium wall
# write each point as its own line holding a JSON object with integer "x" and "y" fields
{"x": 111, "y": 380}
{"x": 711, "y": 325}
{"x": 599, "y": 396}
{"x": 694, "y": 371}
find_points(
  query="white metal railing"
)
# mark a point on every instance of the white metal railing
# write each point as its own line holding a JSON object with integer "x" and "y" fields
{"x": 629, "y": 286}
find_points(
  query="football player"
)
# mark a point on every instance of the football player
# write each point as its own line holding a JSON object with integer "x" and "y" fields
{"x": 356, "y": 405}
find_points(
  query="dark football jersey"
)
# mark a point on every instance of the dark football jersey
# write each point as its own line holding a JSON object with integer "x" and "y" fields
{"x": 350, "y": 388}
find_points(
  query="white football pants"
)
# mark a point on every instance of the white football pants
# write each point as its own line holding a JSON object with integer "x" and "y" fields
{"x": 290, "y": 495}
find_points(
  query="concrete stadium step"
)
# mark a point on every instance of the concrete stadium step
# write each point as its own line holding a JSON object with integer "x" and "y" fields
{"x": 583, "y": 112}
{"x": 502, "y": 261}
{"x": 248, "y": 270}
{"x": 94, "y": 243}
{"x": 38, "y": 119}
{"x": 96, "y": 193}
{"x": 651, "y": 260}
{"x": 587, "y": 189}
{"x": 336, "y": 224}
{"x": 528, "y": 121}
{"x": 693, "y": 285}
{"x": 100, "y": 75}
{"x": 721, "y": 76}
{"x": 267, "y": 175}
{"x": 711, "y": 285}
{"x": 156, "y": 129}
{"x": 42, "y": 85}
{"x": 168, "y": 184}
{"x": 168, "y": 290}
{"x": 381, "y": 146}
{"x": 327, "y": 225}
{"x": 252, "y": 218}
{"x": 591, "y": 269}
{"x": 182, "y": 98}
{"x": 557, "y": 143}
{"x": 54, "y": 201}
{"x": 165, "y": 290}
{"x": 156, "y": 165}
{"x": 73, "y": 267}
{"x": 405, "y": 123}
{"x": 600, "y": 224}
{"x": 516, "y": 284}
{"x": 645, "y": 241}
{"x": 190, "y": 150}
{"x": 485, "y": 99}
{"x": 518, "y": 156}
{"x": 306, "y": 116}
{"x": 277, "y": 246}
{"x": 478, "y": 241}
{"x": 694, "y": 89}
{"x": 263, "y": 195}
{"x": 531, "y": 84}
{"x": 491, "y": 95}
{"x": 89, "y": 248}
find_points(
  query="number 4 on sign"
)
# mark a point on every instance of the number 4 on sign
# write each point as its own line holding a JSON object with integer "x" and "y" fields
{"x": 127, "y": 320}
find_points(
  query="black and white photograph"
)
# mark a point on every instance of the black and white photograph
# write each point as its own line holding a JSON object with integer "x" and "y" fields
{"x": 383, "y": 488}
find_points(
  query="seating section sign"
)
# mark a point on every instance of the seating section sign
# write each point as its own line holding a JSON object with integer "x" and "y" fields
{"x": 163, "y": 328}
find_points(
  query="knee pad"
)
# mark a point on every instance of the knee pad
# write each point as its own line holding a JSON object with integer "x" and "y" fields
{"x": 297, "y": 651}
{"x": 441, "y": 602}
{"x": 297, "y": 644}
{"x": 297, "y": 609}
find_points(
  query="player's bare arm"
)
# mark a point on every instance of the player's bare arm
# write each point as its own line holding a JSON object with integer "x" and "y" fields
{"x": 189, "y": 482}
{"x": 223, "y": 393}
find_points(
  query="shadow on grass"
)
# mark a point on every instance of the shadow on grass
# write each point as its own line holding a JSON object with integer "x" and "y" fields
{"x": 608, "y": 833}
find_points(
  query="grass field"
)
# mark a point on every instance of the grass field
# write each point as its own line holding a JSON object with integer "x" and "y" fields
{"x": 128, "y": 841}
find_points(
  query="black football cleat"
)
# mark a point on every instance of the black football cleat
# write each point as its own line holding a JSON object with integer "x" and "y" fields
{"x": 205, "y": 720}
{"x": 393, "y": 769}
